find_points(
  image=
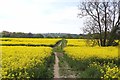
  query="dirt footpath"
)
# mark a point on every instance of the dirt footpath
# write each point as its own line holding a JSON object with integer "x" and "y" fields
{"x": 56, "y": 67}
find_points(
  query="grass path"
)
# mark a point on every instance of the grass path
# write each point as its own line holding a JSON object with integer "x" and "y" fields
{"x": 61, "y": 67}
{"x": 65, "y": 70}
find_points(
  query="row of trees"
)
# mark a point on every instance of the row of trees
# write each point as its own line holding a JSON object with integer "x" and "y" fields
{"x": 103, "y": 19}
{"x": 20, "y": 35}
{"x": 45, "y": 35}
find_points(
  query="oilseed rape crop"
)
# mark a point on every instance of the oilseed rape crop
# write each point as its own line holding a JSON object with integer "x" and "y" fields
{"x": 76, "y": 42}
{"x": 93, "y": 62}
{"x": 27, "y": 41}
{"x": 22, "y": 58}
{"x": 24, "y": 62}
{"x": 87, "y": 52}
{"x": 26, "y": 57}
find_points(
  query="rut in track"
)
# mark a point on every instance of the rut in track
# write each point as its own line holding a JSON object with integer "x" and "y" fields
{"x": 56, "y": 66}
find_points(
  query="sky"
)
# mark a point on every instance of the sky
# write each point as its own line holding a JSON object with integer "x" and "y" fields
{"x": 40, "y": 16}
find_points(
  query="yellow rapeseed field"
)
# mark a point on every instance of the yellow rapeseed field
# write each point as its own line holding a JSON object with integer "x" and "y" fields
{"x": 19, "y": 60}
{"x": 87, "y": 52}
{"x": 23, "y": 61}
{"x": 34, "y": 41}
{"x": 100, "y": 60}
{"x": 76, "y": 42}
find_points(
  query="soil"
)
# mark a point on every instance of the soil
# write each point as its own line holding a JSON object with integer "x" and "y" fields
{"x": 56, "y": 66}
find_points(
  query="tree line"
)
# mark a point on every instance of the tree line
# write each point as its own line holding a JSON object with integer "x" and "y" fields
{"x": 39, "y": 35}
{"x": 20, "y": 35}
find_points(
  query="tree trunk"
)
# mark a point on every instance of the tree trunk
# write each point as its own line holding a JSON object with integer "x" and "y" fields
{"x": 105, "y": 23}
{"x": 100, "y": 36}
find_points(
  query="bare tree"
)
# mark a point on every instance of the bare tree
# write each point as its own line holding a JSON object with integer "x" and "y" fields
{"x": 91, "y": 28}
{"x": 106, "y": 17}
{"x": 115, "y": 27}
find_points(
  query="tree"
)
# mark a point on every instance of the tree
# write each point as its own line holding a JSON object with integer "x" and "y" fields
{"x": 116, "y": 27}
{"x": 20, "y": 35}
{"x": 91, "y": 29}
{"x": 5, "y": 34}
{"x": 38, "y": 36}
{"x": 105, "y": 17}
{"x": 29, "y": 35}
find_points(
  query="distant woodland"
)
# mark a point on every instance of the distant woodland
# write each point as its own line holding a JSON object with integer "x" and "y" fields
{"x": 8, "y": 34}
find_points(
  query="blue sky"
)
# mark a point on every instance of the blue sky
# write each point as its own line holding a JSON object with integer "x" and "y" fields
{"x": 40, "y": 16}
